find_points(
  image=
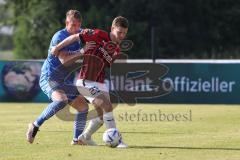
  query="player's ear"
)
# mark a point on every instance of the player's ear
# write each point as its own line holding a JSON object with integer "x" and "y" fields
{"x": 112, "y": 27}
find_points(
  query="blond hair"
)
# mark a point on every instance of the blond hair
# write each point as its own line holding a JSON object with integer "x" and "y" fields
{"x": 74, "y": 14}
{"x": 120, "y": 22}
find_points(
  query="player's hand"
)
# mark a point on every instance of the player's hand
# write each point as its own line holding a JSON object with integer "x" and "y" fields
{"x": 86, "y": 31}
{"x": 89, "y": 46}
{"x": 54, "y": 51}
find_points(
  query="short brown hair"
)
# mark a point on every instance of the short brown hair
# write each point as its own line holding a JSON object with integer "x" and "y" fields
{"x": 75, "y": 14}
{"x": 120, "y": 22}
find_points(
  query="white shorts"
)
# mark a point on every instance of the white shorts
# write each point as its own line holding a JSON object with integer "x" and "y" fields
{"x": 90, "y": 89}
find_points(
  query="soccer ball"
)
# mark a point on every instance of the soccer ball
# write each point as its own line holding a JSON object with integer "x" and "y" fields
{"x": 112, "y": 137}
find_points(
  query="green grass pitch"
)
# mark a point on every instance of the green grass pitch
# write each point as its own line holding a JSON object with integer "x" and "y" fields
{"x": 154, "y": 132}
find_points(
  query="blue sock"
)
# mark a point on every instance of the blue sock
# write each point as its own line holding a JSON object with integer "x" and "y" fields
{"x": 48, "y": 112}
{"x": 79, "y": 124}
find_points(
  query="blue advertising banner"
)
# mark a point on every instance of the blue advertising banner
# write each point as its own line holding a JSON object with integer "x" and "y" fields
{"x": 202, "y": 83}
{"x": 196, "y": 83}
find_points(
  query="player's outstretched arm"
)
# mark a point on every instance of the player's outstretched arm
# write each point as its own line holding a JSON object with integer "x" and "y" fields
{"x": 70, "y": 57}
{"x": 55, "y": 50}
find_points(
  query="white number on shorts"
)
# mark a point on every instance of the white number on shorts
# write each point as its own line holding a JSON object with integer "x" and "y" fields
{"x": 94, "y": 90}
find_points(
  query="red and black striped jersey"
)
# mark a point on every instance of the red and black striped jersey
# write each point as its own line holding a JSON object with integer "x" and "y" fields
{"x": 95, "y": 61}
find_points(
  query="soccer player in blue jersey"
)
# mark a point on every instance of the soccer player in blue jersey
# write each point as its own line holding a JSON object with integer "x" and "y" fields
{"x": 57, "y": 83}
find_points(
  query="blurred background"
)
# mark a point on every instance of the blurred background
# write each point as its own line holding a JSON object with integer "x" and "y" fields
{"x": 160, "y": 29}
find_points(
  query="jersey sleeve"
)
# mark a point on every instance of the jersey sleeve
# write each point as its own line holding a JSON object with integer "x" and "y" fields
{"x": 93, "y": 35}
{"x": 87, "y": 36}
{"x": 57, "y": 38}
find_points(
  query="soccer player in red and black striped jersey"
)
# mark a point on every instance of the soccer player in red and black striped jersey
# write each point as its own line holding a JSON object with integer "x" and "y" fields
{"x": 90, "y": 81}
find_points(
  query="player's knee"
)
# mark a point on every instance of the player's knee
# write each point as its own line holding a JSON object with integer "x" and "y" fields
{"x": 59, "y": 96}
{"x": 97, "y": 102}
{"x": 103, "y": 102}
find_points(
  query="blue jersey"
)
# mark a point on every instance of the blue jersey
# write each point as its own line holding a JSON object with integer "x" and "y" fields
{"x": 50, "y": 68}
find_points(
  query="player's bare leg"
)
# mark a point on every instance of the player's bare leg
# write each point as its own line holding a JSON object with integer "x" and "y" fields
{"x": 103, "y": 102}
